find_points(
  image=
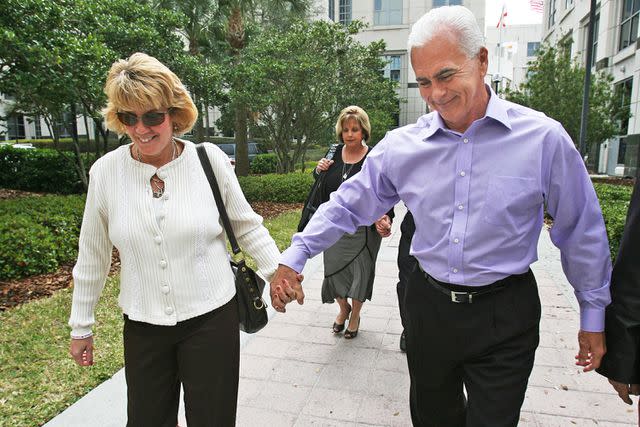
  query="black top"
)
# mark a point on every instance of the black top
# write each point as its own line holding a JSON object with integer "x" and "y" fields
{"x": 622, "y": 323}
{"x": 335, "y": 174}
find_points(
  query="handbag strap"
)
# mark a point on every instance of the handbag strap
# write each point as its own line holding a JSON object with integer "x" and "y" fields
{"x": 211, "y": 177}
{"x": 321, "y": 174}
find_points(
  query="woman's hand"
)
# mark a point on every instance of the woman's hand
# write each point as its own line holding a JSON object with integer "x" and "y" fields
{"x": 323, "y": 165}
{"x": 82, "y": 351}
{"x": 383, "y": 226}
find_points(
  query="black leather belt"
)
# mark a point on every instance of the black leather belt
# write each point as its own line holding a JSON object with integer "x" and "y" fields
{"x": 466, "y": 297}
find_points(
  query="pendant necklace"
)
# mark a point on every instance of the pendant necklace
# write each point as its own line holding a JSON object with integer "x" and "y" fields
{"x": 157, "y": 185}
{"x": 346, "y": 171}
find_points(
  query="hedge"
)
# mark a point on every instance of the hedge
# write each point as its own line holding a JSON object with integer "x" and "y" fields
{"x": 40, "y": 170}
{"x": 289, "y": 188}
{"x": 264, "y": 163}
{"x": 37, "y": 234}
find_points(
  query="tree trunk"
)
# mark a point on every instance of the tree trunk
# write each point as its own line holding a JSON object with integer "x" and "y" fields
{"x": 206, "y": 118}
{"x": 242, "y": 149}
{"x": 76, "y": 146}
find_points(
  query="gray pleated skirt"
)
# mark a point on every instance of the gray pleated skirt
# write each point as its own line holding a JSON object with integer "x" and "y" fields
{"x": 350, "y": 265}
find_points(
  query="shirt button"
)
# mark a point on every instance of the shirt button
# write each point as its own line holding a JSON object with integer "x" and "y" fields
{"x": 163, "y": 264}
{"x": 462, "y": 173}
{"x": 465, "y": 140}
{"x": 168, "y": 310}
{"x": 455, "y": 270}
{"x": 456, "y": 240}
{"x": 165, "y": 289}
{"x": 460, "y": 207}
{"x": 158, "y": 239}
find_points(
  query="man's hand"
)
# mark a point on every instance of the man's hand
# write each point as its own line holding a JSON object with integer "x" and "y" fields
{"x": 286, "y": 286}
{"x": 82, "y": 351}
{"x": 383, "y": 226}
{"x": 624, "y": 390}
{"x": 592, "y": 349}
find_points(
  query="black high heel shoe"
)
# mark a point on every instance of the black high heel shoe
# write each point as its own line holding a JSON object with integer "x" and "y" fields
{"x": 339, "y": 327}
{"x": 352, "y": 334}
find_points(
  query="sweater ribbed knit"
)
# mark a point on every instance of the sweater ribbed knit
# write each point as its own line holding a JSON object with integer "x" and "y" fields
{"x": 174, "y": 270}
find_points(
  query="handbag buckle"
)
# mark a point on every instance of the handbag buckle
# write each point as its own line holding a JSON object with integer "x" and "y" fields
{"x": 259, "y": 303}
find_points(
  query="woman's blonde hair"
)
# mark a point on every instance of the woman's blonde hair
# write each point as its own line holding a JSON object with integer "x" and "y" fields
{"x": 359, "y": 115}
{"x": 143, "y": 83}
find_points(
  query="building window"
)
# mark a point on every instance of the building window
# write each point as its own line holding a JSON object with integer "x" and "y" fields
{"x": 596, "y": 30}
{"x": 438, "y": 3}
{"x": 629, "y": 23}
{"x": 345, "y": 12}
{"x": 387, "y": 12}
{"x": 38, "y": 126}
{"x": 532, "y": 48}
{"x": 392, "y": 68}
{"x": 332, "y": 10}
{"x": 552, "y": 13}
{"x": 15, "y": 126}
{"x": 624, "y": 89}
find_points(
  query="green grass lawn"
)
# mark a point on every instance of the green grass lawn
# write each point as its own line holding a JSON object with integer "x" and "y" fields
{"x": 38, "y": 378}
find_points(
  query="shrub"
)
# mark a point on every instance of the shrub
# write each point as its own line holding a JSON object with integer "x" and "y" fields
{"x": 614, "y": 202}
{"x": 264, "y": 163}
{"x": 288, "y": 188}
{"x": 40, "y": 170}
{"x": 46, "y": 227}
{"x": 28, "y": 248}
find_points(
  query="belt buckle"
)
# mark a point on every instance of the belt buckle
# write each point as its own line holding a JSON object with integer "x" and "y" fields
{"x": 461, "y": 297}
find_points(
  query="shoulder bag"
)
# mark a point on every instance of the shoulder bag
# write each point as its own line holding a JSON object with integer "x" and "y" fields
{"x": 312, "y": 203}
{"x": 252, "y": 309}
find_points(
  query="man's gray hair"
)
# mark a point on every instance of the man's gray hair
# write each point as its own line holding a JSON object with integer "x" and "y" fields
{"x": 456, "y": 19}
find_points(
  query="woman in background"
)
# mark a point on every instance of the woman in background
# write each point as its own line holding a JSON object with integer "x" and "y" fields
{"x": 349, "y": 265}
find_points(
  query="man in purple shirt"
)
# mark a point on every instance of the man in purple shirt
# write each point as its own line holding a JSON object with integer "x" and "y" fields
{"x": 476, "y": 173}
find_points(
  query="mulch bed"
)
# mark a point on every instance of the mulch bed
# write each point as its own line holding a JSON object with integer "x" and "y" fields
{"x": 19, "y": 291}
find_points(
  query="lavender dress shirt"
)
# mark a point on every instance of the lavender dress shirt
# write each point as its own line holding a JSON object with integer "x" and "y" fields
{"x": 477, "y": 199}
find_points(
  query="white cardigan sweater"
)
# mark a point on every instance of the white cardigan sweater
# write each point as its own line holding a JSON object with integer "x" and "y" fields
{"x": 173, "y": 271}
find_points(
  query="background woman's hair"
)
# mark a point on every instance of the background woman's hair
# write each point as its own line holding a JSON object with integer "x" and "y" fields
{"x": 359, "y": 115}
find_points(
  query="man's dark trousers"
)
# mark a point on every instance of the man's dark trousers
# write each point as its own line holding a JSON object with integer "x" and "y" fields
{"x": 406, "y": 262}
{"x": 488, "y": 345}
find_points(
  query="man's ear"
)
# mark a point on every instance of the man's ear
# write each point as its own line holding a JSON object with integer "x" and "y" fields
{"x": 483, "y": 57}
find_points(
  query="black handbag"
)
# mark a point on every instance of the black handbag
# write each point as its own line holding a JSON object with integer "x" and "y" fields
{"x": 252, "y": 309}
{"x": 312, "y": 203}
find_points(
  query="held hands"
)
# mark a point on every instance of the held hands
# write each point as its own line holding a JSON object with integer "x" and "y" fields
{"x": 323, "y": 165}
{"x": 82, "y": 351}
{"x": 286, "y": 287}
{"x": 383, "y": 226}
{"x": 592, "y": 349}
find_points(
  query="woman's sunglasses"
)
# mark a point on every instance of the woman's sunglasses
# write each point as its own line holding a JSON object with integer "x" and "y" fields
{"x": 151, "y": 118}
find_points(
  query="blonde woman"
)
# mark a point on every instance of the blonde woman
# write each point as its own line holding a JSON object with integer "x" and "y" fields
{"x": 349, "y": 265}
{"x": 151, "y": 200}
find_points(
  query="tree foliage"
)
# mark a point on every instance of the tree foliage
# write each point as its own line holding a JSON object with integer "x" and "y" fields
{"x": 555, "y": 87}
{"x": 295, "y": 82}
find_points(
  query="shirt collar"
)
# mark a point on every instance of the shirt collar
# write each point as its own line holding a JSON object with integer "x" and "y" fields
{"x": 496, "y": 110}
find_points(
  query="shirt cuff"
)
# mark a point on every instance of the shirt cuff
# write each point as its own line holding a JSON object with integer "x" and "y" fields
{"x": 293, "y": 258}
{"x": 81, "y": 336}
{"x": 592, "y": 319}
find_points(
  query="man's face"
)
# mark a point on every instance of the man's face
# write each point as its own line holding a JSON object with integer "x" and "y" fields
{"x": 451, "y": 83}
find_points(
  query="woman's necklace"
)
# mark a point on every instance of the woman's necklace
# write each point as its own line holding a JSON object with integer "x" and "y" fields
{"x": 346, "y": 171}
{"x": 157, "y": 185}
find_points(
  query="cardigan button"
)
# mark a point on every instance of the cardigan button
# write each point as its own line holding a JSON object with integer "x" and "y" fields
{"x": 165, "y": 289}
{"x": 168, "y": 310}
{"x": 158, "y": 239}
{"x": 163, "y": 264}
